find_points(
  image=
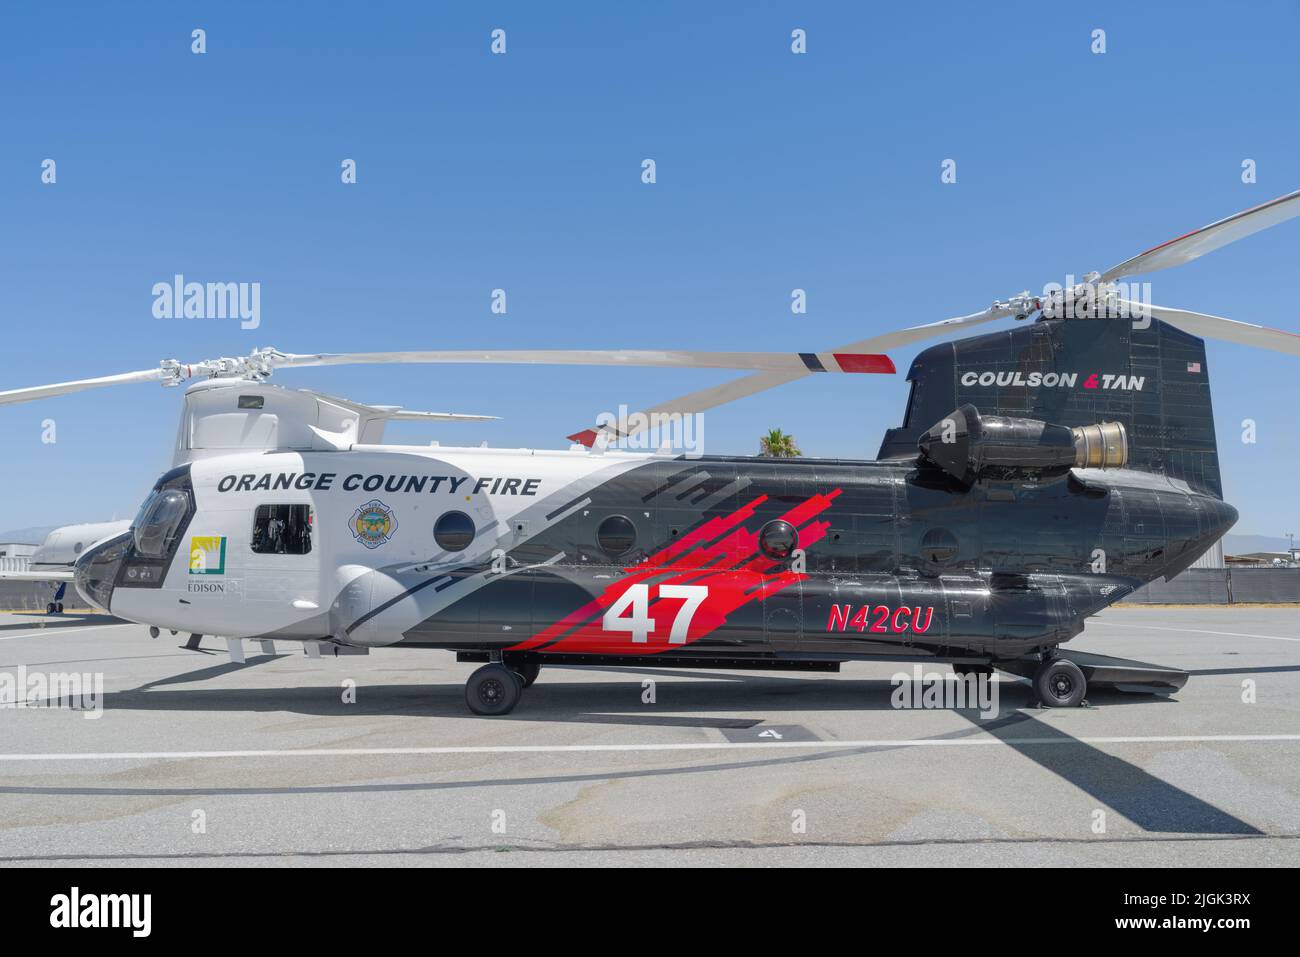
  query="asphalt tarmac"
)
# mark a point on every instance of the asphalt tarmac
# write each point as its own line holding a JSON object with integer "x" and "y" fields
{"x": 289, "y": 760}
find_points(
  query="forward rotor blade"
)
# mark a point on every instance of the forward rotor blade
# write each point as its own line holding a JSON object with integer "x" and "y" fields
{"x": 840, "y": 361}
{"x": 260, "y": 364}
{"x": 689, "y": 404}
{"x": 1208, "y": 238}
{"x": 410, "y": 415}
{"x": 14, "y": 396}
{"x": 395, "y": 413}
{"x": 762, "y": 381}
{"x": 1217, "y": 327}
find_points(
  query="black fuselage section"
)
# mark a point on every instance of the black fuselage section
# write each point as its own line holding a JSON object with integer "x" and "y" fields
{"x": 895, "y": 559}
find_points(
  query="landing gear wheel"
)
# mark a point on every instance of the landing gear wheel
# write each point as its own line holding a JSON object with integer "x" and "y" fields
{"x": 49, "y": 609}
{"x": 493, "y": 689}
{"x": 528, "y": 673}
{"x": 59, "y": 607}
{"x": 1060, "y": 683}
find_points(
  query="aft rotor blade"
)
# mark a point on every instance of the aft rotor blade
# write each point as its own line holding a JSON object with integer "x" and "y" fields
{"x": 14, "y": 396}
{"x": 762, "y": 381}
{"x": 1217, "y": 327}
{"x": 905, "y": 337}
{"x": 851, "y": 361}
{"x": 1208, "y": 238}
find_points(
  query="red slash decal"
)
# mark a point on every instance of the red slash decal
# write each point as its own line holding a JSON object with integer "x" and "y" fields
{"x": 685, "y": 591}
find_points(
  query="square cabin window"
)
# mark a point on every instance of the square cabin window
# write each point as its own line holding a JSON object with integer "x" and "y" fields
{"x": 282, "y": 529}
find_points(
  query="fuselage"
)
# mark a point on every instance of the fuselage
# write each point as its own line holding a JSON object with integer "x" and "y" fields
{"x": 596, "y": 554}
{"x": 63, "y": 546}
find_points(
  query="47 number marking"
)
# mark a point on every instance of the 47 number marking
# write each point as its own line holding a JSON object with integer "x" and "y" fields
{"x": 638, "y": 623}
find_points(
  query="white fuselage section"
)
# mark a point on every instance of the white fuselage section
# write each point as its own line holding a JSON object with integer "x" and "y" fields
{"x": 373, "y": 513}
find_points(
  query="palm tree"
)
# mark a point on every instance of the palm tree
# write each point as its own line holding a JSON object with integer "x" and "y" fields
{"x": 776, "y": 444}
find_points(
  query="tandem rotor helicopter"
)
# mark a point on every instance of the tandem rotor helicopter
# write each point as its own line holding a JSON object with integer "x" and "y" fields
{"x": 1041, "y": 473}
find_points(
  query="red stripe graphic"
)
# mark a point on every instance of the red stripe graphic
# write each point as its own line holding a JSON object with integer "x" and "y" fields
{"x": 721, "y": 555}
{"x": 860, "y": 362}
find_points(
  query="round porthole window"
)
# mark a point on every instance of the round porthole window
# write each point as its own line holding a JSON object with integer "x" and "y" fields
{"x": 778, "y": 539}
{"x": 939, "y": 545}
{"x": 616, "y": 535}
{"x": 454, "y": 531}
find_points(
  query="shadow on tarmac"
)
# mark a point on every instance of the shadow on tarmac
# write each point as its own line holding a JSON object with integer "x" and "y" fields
{"x": 37, "y": 621}
{"x": 713, "y": 701}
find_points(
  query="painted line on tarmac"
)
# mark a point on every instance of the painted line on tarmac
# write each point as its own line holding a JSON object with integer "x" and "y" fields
{"x": 1195, "y": 631}
{"x": 623, "y": 748}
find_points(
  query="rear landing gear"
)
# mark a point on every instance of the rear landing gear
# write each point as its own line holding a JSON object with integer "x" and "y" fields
{"x": 1060, "y": 683}
{"x": 493, "y": 690}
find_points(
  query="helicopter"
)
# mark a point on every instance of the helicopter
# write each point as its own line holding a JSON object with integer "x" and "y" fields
{"x": 1040, "y": 474}
{"x": 51, "y": 563}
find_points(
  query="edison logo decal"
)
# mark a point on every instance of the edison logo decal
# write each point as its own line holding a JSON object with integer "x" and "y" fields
{"x": 208, "y": 555}
{"x": 373, "y": 524}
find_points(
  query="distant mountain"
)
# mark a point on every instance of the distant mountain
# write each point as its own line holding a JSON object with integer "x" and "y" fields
{"x": 1247, "y": 544}
{"x": 27, "y": 536}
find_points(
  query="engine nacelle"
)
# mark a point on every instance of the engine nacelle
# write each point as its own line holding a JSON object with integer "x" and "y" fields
{"x": 969, "y": 446}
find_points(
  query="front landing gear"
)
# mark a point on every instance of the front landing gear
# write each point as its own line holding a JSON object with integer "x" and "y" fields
{"x": 493, "y": 689}
{"x": 1060, "y": 683}
{"x": 528, "y": 673}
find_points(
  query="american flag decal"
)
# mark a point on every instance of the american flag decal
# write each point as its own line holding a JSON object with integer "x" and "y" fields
{"x": 1193, "y": 367}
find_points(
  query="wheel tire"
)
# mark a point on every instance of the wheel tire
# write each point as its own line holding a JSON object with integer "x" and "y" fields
{"x": 59, "y": 607}
{"x": 49, "y": 609}
{"x": 528, "y": 673}
{"x": 492, "y": 690}
{"x": 1060, "y": 683}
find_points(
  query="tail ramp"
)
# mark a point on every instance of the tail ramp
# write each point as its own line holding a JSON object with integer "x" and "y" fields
{"x": 1149, "y": 376}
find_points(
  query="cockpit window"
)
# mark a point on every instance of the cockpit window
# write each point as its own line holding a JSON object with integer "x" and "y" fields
{"x": 144, "y": 508}
{"x": 159, "y": 522}
{"x": 282, "y": 529}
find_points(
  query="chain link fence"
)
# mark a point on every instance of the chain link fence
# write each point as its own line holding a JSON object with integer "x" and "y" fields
{"x": 1223, "y": 586}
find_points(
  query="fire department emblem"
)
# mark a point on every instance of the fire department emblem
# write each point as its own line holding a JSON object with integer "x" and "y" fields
{"x": 373, "y": 524}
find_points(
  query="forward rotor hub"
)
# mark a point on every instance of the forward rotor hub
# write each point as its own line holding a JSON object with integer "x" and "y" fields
{"x": 259, "y": 364}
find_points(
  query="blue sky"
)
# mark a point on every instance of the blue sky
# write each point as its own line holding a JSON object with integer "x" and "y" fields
{"x": 522, "y": 171}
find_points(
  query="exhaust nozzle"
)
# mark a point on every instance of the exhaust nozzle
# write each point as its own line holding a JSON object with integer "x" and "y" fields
{"x": 1100, "y": 446}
